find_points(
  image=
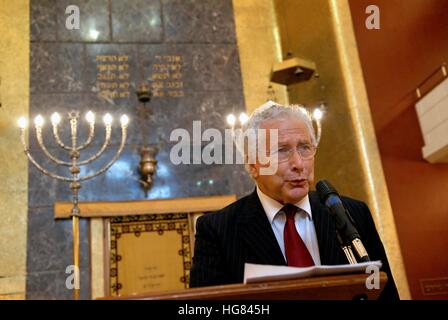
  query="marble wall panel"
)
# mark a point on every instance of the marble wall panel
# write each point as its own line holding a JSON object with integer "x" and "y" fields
{"x": 192, "y": 21}
{"x": 42, "y": 188}
{"x": 50, "y": 285}
{"x": 136, "y": 21}
{"x": 94, "y": 20}
{"x": 56, "y": 67}
{"x": 43, "y": 20}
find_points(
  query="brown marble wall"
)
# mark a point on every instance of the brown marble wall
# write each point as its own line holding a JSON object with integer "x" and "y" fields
{"x": 196, "y": 39}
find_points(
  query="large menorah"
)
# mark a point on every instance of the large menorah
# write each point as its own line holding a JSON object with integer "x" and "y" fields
{"x": 74, "y": 151}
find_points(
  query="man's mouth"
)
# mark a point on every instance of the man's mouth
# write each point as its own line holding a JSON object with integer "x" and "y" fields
{"x": 297, "y": 182}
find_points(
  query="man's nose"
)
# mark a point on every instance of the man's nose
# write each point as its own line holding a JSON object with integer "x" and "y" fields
{"x": 296, "y": 161}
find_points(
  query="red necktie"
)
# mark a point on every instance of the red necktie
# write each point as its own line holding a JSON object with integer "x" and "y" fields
{"x": 296, "y": 252}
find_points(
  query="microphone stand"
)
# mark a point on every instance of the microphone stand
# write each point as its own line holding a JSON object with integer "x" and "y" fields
{"x": 355, "y": 241}
{"x": 349, "y": 242}
{"x": 347, "y": 249}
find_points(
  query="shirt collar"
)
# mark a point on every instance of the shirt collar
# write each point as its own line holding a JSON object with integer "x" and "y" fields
{"x": 272, "y": 207}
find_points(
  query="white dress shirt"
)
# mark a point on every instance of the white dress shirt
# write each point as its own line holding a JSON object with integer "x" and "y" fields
{"x": 303, "y": 221}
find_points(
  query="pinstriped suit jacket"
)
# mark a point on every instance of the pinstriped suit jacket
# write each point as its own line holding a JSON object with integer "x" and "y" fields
{"x": 241, "y": 233}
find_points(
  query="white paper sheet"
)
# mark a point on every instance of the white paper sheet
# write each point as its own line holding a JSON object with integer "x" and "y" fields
{"x": 261, "y": 272}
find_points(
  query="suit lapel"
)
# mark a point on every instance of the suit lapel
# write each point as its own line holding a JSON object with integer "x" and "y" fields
{"x": 262, "y": 246}
{"x": 329, "y": 250}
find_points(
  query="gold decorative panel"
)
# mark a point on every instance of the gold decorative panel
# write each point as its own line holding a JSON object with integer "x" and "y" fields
{"x": 149, "y": 253}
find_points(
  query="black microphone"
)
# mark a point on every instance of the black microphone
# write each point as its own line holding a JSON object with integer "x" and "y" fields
{"x": 344, "y": 222}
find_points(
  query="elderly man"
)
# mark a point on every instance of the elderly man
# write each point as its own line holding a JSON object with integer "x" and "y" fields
{"x": 282, "y": 222}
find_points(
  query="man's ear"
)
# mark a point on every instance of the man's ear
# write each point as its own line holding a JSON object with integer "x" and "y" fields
{"x": 254, "y": 170}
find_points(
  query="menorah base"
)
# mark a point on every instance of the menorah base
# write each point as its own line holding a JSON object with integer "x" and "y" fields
{"x": 77, "y": 274}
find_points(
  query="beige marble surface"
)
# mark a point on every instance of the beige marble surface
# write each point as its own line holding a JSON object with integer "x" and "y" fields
{"x": 14, "y": 93}
{"x": 259, "y": 48}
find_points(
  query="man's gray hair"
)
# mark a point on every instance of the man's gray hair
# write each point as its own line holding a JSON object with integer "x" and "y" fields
{"x": 272, "y": 110}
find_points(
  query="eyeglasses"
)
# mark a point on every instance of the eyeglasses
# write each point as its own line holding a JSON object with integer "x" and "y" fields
{"x": 306, "y": 152}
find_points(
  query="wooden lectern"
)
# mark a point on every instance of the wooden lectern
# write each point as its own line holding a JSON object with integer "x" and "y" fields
{"x": 340, "y": 287}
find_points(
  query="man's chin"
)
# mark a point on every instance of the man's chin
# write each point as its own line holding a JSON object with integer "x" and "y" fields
{"x": 296, "y": 194}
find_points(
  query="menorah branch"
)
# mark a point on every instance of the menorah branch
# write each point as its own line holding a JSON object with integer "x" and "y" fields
{"x": 102, "y": 149}
{"x": 58, "y": 139}
{"x": 37, "y": 165}
{"x": 89, "y": 138}
{"x": 45, "y": 150}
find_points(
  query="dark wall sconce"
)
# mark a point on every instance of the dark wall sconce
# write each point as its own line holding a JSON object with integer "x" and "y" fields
{"x": 148, "y": 163}
{"x": 143, "y": 93}
{"x": 148, "y": 166}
